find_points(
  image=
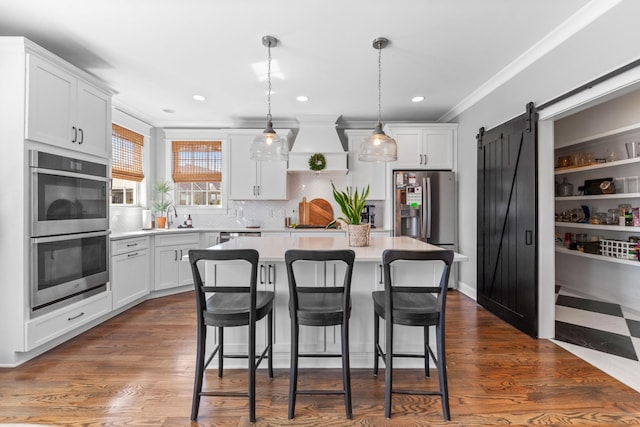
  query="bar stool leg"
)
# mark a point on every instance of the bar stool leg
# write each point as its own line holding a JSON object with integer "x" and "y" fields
{"x": 293, "y": 372}
{"x": 376, "y": 341}
{"x": 388, "y": 370}
{"x": 346, "y": 370}
{"x": 252, "y": 372}
{"x": 220, "y": 351}
{"x": 197, "y": 386}
{"x": 270, "y": 341}
{"x": 426, "y": 351}
{"x": 442, "y": 372}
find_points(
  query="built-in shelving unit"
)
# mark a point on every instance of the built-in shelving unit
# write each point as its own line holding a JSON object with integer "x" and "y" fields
{"x": 586, "y": 226}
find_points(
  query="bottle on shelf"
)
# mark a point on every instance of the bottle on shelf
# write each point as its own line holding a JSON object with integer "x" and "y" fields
{"x": 565, "y": 188}
{"x": 189, "y": 221}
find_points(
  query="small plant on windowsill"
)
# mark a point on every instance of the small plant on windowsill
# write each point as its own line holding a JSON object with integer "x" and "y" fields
{"x": 160, "y": 206}
{"x": 352, "y": 204}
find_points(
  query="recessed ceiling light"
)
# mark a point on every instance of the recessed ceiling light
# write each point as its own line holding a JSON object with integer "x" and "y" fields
{"x": 169, "y": 110}
{"x": 417, "y": 99}
{"x": 302, "y": 98}
{"x": 199, "y": 98}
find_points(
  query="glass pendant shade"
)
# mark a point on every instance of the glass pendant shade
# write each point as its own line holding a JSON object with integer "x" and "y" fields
{"x": 378, "y": 147}
{"x": 268, "y": 146}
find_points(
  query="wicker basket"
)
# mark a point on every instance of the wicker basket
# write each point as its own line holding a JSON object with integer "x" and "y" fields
{"x": 358, "y": 234}
{"x": 618, "y": 249}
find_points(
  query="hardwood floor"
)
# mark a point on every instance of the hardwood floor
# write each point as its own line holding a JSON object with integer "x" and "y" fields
{"x": 137, "y": 369}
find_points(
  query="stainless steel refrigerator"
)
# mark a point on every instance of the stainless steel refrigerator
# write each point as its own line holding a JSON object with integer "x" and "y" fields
{"x": 424, "y": 206}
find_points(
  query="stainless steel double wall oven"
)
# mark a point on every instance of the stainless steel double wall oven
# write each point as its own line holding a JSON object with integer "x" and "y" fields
{"x": 69, "y": 247}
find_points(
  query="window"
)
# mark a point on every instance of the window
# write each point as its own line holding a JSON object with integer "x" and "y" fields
{"x": 197, "y": 172}
{"x": 126, "y": 166}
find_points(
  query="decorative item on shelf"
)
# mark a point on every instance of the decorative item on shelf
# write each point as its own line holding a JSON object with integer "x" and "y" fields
{"x": 268, "y": 146}
{"x": 565, "y": 188}
{"x": 317, "y": 162}
{"x": 379, "y": 147}
{"x": 352, "y": 204}
{"x": 160, "y": 206}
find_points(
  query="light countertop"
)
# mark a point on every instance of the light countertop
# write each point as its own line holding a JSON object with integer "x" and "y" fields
{"x": 160, "y": 231}
{"x": 273, "y": 248}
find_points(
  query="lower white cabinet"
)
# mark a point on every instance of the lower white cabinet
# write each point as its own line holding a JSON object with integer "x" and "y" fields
{"x": 52, "y": 325}
{"x": 130, "y": 270}
{"x": 170, "y": 270}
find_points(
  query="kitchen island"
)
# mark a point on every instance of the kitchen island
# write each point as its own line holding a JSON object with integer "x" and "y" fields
{"x": 367, "y": 277}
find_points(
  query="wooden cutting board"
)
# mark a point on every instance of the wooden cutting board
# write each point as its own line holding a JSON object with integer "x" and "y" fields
{"x": 315, "y": 212}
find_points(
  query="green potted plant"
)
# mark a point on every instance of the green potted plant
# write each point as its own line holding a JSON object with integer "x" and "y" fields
{"x": 352, "y": 204}
{"x": 160, "y": 206}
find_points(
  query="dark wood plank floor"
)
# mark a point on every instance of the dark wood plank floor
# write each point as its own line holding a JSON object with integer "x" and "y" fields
{"x": 137, "y": 369}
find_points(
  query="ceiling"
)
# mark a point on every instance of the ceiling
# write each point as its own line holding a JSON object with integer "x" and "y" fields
{"x": 157, "y": 54}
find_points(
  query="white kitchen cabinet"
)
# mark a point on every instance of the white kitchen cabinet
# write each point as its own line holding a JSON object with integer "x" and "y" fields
{"x": 66, "y": 111}
{"x": 361, "y": 174}
{"x": 130, "y": 270}
{"x": 210, "y": 238}
{"x": 424, "y": 146}
{"x": 253, "y": 180}
{"x": 47, "y": 327}
{"x": 171, "y": 270}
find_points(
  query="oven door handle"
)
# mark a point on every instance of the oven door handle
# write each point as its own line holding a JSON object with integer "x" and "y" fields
{"x": 70, "y": 174}
{"x": 69, "y": 237}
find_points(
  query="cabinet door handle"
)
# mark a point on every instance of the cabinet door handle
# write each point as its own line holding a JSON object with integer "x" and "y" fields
{"x": 181, "y": 255}
{"x": 81, "y": 136}
{"x": 258, "y": 190}
{"x": 75, "y": 134}
{"x": 217, "y": 240}
{"x": 76, "y": 316}
{"x": 271, "y": 282}
{"x": 133, "y": 254}
{"x": 380, "y": 281}
{"x": 262, "y": 274}
{"x": 254, "y": 190}
{"x": 175, "y": 254}
{"x": 131, "y": 244}
{"x": 425, "y": 159}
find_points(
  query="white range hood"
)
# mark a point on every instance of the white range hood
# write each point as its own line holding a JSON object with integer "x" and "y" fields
{"x": 317, "y": 134}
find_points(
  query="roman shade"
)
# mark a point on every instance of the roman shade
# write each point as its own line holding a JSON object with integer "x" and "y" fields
{"x": 197, "y": 161}
{"x": 126, "y": 147}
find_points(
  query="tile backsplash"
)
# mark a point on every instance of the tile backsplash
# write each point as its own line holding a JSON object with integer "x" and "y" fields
{"x": 242, "y": 213}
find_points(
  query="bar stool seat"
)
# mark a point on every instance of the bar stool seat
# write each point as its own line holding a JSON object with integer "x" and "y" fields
{"x": 415, "y": 305}
{"x": 319, "y": 306}
{"x": 226, "y": 306}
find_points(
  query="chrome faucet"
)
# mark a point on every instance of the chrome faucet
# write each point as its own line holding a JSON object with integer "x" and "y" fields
{"x": 169, "y": 220}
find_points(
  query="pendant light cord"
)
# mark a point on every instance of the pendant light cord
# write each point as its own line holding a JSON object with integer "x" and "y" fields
{"x": 269, "y": 82}
{"x": 379, "y": 84}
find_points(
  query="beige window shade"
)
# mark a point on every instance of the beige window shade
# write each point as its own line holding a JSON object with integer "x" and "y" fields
{"x": 197, "y": 161}
{"x": 126, "y": 155}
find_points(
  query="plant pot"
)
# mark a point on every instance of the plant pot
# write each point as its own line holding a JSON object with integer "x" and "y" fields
{"x": 161, "y": 222}
{"x": 358, "y": 234}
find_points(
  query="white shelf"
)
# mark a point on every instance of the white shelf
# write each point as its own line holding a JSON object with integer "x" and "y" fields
{"x": 598, "y": 227}
{"x": 565, "y": 251}
{"x": 600, "y": 197}
{"x": 565, "y": 171}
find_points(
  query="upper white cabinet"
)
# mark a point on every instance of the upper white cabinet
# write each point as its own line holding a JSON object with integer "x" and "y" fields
{"x": 65, "y": 110}
{"x": 424, "y": 146}
{"x": 250, "y": 179}
{"x": 362, "y": 173}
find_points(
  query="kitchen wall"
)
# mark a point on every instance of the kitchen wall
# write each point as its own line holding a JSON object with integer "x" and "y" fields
{"x": 598, "y": 48}
{"x": 239, "y": 213}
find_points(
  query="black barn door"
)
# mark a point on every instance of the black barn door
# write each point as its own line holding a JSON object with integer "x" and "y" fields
{"x": 507, "y": 217}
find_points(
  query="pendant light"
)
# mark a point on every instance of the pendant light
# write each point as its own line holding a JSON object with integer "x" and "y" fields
{"x": 268, "y": 146}
{"x": 379, "y": 147}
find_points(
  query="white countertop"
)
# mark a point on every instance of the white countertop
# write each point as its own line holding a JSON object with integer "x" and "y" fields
{"x": 273, "y": 248}
{"x": 156, "y": 231}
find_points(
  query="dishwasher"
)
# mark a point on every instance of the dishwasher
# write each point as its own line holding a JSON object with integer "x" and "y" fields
{"x": 225, "y": 236}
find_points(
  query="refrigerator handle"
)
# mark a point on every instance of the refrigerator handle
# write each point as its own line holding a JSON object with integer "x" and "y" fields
{"x": 426, "y": 208}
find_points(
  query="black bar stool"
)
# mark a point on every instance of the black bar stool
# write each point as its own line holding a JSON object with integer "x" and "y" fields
{"x": 412, "y": 306}
{"x": 319, "y": 306}
{"x": 227, "y": 306}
